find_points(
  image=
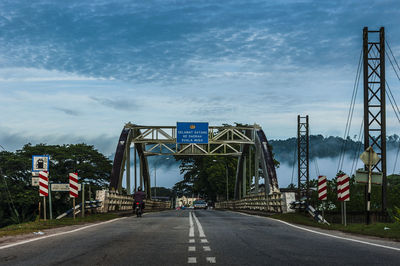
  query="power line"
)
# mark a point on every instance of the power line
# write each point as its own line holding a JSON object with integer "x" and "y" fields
{"x": 360, "y": 135}
{"x": 394, "y": 58}
{"x": 350, "y": 114}
{"x": 391, "y": 96}
{"x": 294, "y": 162}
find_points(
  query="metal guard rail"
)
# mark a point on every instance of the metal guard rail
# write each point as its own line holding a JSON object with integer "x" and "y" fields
{"x": 112, "y": 201}
{"x": 256, "y": 202}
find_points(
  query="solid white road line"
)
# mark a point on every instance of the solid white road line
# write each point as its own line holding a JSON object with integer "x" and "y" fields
{"x": 325, "y": 234}
{"x": 192, "y": 248}
{"x": 191, "y": 229}
{"x": 211, "y": 259}
{"x": 339, "y": 237}
{"x": 59, "y": 234}
{"x": 206, "y": 248}
{"x": 201, "y": 232}
{"x": 192, "y": 260}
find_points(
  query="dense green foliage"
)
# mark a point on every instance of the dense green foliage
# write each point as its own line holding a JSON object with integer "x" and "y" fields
{"x": 162, "y": 192}
{"x": 206, "y": 176}
{"x": 357, "y": 195}
{"x": 19, "y": 200}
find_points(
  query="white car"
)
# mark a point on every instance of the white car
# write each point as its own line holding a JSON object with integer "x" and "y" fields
{"x": 200, "y": 204}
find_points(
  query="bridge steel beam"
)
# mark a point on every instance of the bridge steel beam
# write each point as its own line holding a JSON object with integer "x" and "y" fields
{"x": 265, "y": 158}
{"x": 128, "y": 169}
{"x": 374, "y": 99}
{"x": 223, "y": 141}
{"x": 256, "y": 168}
{"x": 303, "y": 171}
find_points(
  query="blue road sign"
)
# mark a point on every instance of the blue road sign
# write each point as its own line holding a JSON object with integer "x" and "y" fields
{"x": 40, "y": 163}
{"x": 192, "y": 132}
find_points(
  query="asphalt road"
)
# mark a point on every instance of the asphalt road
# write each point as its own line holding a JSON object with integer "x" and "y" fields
{"x": 200, "y": 237}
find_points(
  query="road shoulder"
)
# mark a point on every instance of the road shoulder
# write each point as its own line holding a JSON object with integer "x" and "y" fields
{"x": 365, "y": 239}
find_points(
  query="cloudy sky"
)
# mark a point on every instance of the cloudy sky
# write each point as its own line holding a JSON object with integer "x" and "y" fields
{"x": 77, "y": 71}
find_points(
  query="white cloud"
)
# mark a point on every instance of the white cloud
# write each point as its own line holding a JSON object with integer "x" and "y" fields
{"x": 25, "y": 74}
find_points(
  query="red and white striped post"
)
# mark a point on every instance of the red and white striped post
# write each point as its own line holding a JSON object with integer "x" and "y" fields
{"x": 43, "y": 190}
{"x": 343, "y": 189}
{"x": 322, "y": 191}
{"x": 73, "y": 189}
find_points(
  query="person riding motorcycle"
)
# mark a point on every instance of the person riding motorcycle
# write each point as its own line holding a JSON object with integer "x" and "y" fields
{"x": 139, "y": 196}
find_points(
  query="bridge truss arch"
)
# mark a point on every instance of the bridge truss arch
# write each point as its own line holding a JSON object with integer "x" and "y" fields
{"x": 248, "y": 143}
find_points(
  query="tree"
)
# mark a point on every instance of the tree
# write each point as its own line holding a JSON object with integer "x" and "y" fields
{"x": 19, "y": 199}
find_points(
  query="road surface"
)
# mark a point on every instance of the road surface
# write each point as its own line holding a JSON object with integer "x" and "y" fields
{"x": 199, "y": 237}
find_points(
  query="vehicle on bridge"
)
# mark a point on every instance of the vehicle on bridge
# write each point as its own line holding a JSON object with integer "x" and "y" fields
{"x": 200, "y": 204}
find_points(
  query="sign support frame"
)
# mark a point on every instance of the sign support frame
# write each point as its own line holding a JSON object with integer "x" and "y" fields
{"x": 50, "y": 202}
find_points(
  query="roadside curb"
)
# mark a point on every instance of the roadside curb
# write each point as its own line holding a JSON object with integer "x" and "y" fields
{"x": 60, "y": 233}
{"x": 324, "y": 232}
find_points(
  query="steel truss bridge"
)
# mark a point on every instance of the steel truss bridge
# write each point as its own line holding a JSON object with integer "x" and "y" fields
{"x": 248, "y": 143}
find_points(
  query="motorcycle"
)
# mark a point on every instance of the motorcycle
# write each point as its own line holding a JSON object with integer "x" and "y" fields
{"x": 138, "y": 209}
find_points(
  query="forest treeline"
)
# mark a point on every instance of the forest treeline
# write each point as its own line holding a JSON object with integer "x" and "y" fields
{"x": 322, "y": 147}
{"x": 19, "y": 199}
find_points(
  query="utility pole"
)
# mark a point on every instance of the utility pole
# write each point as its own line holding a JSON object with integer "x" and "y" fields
{"x": 227, "y": 191}
{"x": 155, "y": 180}
{"x": 303, "y": 157}
{"x": 134, "y": 162}
{"x": 374, "y": 100}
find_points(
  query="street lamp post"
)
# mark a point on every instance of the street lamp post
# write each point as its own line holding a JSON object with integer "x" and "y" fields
{"x": 227, "y": 191}
{"x": 226, "y": 172}
{"x": 155, "y": 177}
{"x": 155, "y": 180}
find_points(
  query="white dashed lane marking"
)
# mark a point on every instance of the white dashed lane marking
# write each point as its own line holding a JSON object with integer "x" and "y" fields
{"x": 203, "y": 239}
{"x": 192, "y": 260}
{"x": 201, "y": 232}
{"x": 211, "y": 260}
{"x": 191, "y": 229}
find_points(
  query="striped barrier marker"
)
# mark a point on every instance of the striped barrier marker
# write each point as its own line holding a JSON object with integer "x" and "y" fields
{"x": 343, "y": 182}
{"x": 43, "y": 190}
{"x": 322, "y": 189}
{"x": 73, "y": 189}
{"x": 73, "y": 185}
{"x": 43, "y": 183}
{"x": 343, "y": 189}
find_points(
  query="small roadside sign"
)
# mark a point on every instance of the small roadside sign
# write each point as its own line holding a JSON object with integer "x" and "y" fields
{"x": 62, "y": 187}
{"x": 362, "y": 177}
{"x": 40, "y": 163}
{"x": 365, "y": 157}
{"x": 35, "y": 181}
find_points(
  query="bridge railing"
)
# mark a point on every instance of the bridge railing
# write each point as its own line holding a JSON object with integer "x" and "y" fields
{"x": 113, "y": 201}
{"x": 256, "y": 202}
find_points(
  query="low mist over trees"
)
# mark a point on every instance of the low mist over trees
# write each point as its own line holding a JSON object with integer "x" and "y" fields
{"x": 321, "y": 147}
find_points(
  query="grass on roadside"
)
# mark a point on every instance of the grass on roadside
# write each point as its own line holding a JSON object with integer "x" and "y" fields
{"x": 29, "y": 227}
{"x": 375, "y": 229}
